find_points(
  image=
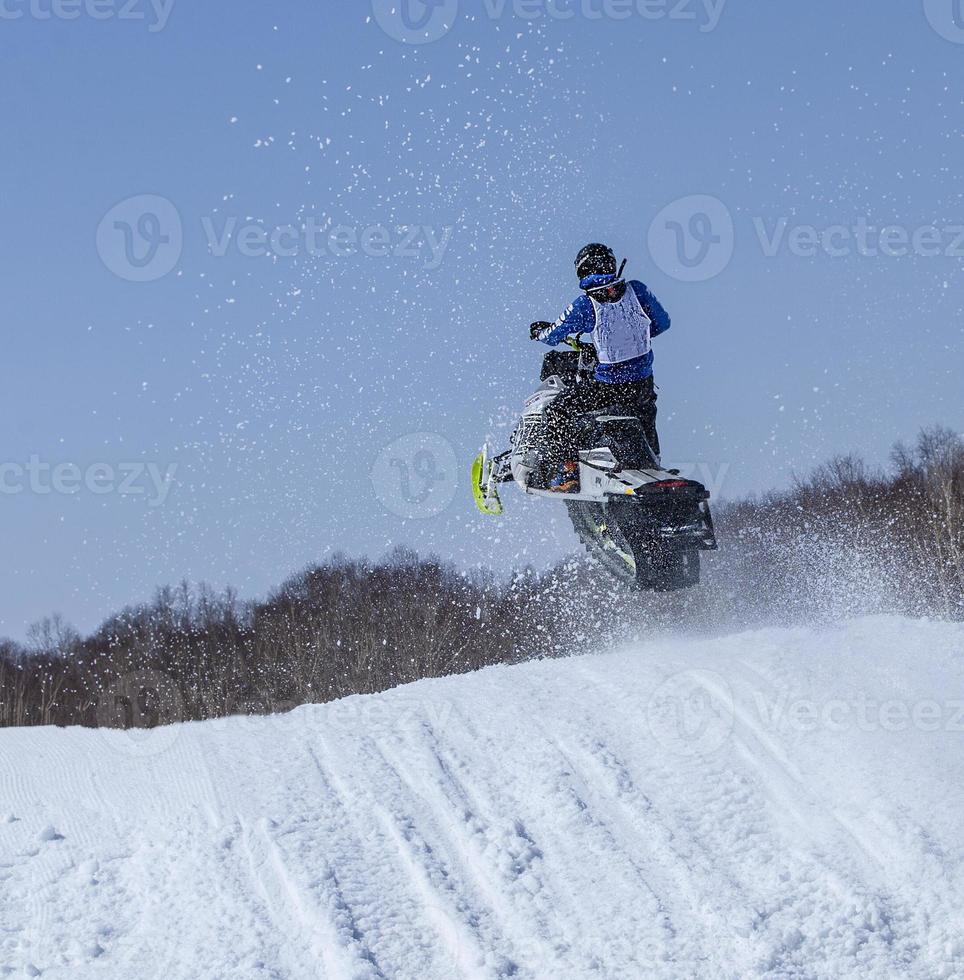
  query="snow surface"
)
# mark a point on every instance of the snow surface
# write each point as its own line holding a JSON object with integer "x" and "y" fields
{"x": 737, "y": 807}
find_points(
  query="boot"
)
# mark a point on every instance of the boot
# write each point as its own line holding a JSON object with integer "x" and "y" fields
{"x": 566, "y": 479}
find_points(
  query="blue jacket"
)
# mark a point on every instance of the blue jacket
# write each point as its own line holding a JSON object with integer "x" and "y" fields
{"x": 580, "y": 318}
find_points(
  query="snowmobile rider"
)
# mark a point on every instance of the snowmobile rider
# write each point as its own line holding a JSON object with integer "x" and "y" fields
{"x": 622, "y": 317}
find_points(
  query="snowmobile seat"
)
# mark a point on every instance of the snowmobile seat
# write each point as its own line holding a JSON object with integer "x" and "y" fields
{"x": 561, "y": 363}
{"x": 624, "y": 435}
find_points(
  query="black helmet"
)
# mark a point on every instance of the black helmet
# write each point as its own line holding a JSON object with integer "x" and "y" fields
{"x": 596, "y": 260}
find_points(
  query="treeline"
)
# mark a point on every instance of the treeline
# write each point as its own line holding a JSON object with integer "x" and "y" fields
{"x": 347, "y": 627}
{"x": 851, "y": 540}
{"x": 847, "y": 540}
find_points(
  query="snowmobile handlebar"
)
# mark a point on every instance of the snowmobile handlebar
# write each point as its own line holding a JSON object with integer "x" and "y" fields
{"x": 574, "y": 341}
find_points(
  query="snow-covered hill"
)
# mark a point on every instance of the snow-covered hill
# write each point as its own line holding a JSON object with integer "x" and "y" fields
{"x": 781, "y": 803}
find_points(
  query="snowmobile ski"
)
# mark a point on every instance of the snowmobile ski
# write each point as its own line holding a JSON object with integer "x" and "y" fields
{"x": 484, "y": 486}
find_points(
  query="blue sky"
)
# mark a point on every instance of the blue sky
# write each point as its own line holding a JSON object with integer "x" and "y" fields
{"x": 308, "y": 394}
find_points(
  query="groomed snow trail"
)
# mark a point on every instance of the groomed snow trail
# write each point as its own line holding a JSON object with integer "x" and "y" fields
{"x": 774, "y": 804}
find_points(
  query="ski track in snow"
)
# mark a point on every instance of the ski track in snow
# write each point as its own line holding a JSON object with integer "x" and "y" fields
{"x": 645, "y": 813}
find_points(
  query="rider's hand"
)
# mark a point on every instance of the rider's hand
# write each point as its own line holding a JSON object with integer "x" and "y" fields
{"x": 537, "y": 328}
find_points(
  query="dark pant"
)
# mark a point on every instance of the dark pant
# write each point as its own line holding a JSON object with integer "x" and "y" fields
{"x": 631, "y": 397}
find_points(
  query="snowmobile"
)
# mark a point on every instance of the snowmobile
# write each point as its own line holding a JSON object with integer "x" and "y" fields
{"x": 645, "y": 525}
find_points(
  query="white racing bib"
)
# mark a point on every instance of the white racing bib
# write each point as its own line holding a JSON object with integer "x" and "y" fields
{"x": 623, "y": 330}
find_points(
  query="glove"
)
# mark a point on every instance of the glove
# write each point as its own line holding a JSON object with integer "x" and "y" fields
{"x": 536, "y": 328}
